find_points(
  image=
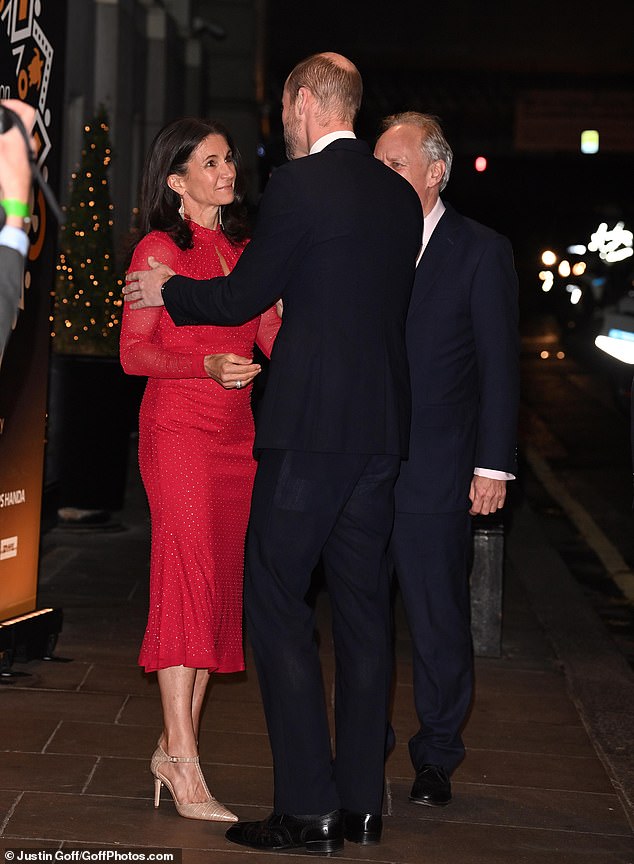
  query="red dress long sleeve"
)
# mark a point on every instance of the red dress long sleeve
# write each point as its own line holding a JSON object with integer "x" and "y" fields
{"x": 195, "y": 456}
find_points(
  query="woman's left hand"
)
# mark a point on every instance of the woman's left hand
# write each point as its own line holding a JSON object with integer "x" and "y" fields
{"x": 231, "y": 371}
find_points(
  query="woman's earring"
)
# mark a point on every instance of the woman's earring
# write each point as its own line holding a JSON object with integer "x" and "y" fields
{"x": 220, "y": 216}
{"x": 181, "y": 210}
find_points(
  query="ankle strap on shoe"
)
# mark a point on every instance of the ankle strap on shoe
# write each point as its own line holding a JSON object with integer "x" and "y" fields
{"x": 183, "y": 758}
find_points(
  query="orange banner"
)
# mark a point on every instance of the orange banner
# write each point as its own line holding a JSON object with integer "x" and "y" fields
{"x": 31, "y": 45}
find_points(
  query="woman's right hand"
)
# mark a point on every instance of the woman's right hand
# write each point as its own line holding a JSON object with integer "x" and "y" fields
{"x": 231, "y": 371}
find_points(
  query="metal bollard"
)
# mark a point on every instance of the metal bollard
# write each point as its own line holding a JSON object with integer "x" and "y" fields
{"x": 486, "y": 590}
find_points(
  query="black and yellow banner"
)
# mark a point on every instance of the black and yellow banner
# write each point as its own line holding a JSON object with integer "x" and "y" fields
{"x": 31, "y": 68}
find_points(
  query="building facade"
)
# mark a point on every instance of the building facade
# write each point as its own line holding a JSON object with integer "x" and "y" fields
{"x": 150, "y": 61}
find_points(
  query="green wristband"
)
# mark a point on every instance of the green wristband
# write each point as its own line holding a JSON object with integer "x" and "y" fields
{"x": 13, "y": 207}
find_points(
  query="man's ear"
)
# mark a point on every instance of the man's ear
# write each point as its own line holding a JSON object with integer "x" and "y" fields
{"x": 301, "y": 100}
{"x": 437, "y": 172}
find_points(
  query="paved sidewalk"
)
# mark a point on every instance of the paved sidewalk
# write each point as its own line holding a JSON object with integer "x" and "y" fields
{"x": 548, "y": 776}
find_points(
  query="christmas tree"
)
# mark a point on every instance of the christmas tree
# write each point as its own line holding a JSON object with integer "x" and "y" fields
{"x": 87, "y": 301}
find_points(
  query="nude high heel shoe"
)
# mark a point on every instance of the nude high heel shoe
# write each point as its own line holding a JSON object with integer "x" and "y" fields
{"x": 209, "y": 810}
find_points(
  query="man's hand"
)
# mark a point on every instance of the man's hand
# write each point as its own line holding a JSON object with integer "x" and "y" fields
{"x": 15, "y": 170}
{"x": 230, "y": 370}
{"x": 143, "y": 287}
{"x": 487, "y": 495}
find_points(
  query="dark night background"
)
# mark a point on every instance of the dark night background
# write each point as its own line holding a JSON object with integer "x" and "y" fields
{"x": 468, "y": 63}
{"x": 472, "y": 64}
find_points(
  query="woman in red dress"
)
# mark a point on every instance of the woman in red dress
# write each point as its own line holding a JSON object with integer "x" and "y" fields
{"x": 195, "y": 443}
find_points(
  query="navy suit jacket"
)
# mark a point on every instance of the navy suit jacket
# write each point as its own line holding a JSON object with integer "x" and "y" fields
{"x": 336, "y": 238}
{"x": 463, "y": 348}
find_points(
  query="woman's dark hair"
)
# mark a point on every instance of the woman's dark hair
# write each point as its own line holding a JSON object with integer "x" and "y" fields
{"x": 169, "y": 153}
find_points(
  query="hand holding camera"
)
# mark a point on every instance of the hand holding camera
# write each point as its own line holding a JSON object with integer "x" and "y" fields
{"x": 15, "y": 161}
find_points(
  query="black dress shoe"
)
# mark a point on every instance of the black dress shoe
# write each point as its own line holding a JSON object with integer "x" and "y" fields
{"x": 322, "y": 834}
{"x": 363, "y": 828}
{"x": 431, "y": 787}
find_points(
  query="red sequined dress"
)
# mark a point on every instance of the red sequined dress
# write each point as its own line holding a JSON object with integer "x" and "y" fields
{"x": 195, "y": 457}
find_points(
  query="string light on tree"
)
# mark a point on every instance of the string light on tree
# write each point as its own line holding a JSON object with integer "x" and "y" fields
{"x": 87, "y": 301}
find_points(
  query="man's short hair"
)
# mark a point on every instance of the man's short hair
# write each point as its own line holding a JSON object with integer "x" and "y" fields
{"x": 337, "y": 87}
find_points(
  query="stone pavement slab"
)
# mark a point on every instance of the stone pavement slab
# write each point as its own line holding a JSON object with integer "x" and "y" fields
{"x": 545, "y": 778}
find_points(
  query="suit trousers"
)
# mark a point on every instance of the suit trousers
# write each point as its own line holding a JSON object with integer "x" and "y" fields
{"x": 338, "y": 508}
{"x": 431, "y": 554}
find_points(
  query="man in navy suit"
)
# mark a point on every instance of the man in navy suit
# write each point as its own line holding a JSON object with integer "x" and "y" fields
{"x": 337, "y": 238}
{"x": 463, "y": 349}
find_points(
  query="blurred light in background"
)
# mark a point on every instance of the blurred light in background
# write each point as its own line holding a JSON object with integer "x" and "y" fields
{"x": 575, "y": 293}
{"x": 590, "y": 141}
{"x": 612, "y": 244}
{"x": 619, "y": 344}
{"x": 547, "y": 279}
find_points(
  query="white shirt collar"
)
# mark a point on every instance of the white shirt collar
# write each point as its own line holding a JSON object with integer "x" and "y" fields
{"x": 431, "y": 220}
{"x": 325, "y": 140}
{"x": 429, "y": 223}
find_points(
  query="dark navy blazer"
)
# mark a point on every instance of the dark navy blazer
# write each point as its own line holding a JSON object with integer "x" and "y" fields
{"x": 463, "y": 348}
{"x": 337, "y": 237}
